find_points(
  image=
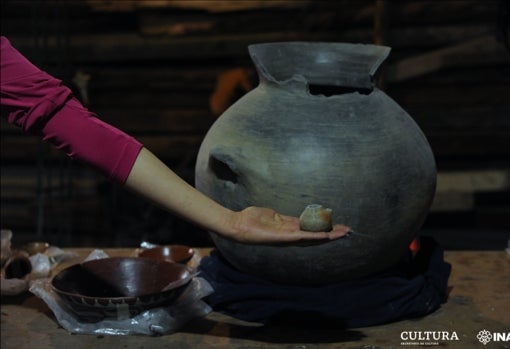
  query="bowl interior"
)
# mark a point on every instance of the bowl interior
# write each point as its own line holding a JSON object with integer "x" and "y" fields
{"x": 121, "y": 277}
{"x": 175, "y": 253}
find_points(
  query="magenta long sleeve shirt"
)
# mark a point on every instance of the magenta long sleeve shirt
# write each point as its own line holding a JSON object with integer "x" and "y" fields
{"x": 41, "y": 104}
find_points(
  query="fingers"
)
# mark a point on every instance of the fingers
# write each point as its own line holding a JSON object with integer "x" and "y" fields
{"x": 332, "y": 235}
{"x": 341, "y": 229}
{"x": 336, "y": 234}
{"x": 302, "y": 236}
{"x": 338, "y": 231}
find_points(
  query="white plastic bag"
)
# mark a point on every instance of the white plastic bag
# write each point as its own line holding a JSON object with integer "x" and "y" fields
{"x": 155, "y": 321}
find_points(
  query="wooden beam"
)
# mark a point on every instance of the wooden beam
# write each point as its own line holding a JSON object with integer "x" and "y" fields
{"x": 204, "y": 5}
{"x": 482, "y": 50}
{"x": 381, "y": 22}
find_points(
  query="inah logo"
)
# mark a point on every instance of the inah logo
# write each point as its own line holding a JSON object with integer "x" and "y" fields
{"x": 484, "y": 337}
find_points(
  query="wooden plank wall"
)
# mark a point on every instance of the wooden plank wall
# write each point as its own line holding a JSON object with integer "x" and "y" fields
{"x": 152, "y": 67}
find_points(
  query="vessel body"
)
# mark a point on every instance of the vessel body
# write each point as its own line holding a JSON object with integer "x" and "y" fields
{"x": 284, "y": 145}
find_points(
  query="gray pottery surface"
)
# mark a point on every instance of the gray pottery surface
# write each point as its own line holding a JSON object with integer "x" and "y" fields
{"x": 285, "y": 146}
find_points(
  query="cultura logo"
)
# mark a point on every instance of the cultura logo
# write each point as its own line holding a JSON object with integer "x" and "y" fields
{"x": 485, "y": 336}
{"x": 427, "y": 337}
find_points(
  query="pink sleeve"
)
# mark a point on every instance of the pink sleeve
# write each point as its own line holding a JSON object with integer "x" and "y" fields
{"x": 40, "y": 104}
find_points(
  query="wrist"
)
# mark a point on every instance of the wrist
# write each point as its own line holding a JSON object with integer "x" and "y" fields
{"x": 229, "y": 226}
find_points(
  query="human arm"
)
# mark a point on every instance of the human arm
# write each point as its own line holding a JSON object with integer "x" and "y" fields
{"x": 39, "y": 103}
{"x": 151, "y": 178}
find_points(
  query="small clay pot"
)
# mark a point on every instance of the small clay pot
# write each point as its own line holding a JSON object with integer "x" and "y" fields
{"x": 36, "y": 247}
{"x": 17, "y": 265}
{"x": 316, "y": 218}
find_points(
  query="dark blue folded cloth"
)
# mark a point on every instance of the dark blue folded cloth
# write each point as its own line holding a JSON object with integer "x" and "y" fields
{"x": 415, "y": 287}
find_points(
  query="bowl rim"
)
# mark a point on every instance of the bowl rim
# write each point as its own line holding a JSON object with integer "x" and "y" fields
{"x": 190, "y": 250}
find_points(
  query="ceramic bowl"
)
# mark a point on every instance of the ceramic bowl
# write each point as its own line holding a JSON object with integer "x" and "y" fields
{"x": 173, "y": 253}
{"x": 36, "y": 247}
{"x": 17, "y": 265}
{"x": 119, "y": 287}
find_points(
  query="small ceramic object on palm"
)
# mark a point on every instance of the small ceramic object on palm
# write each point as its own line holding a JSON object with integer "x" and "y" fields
{"x": 316, "y": 218}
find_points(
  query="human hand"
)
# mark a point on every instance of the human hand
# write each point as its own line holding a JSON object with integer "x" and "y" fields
{"x": 258, "y": 225}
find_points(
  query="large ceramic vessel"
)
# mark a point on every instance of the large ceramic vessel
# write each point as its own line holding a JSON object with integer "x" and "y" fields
{"x": 317, "y": 130}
